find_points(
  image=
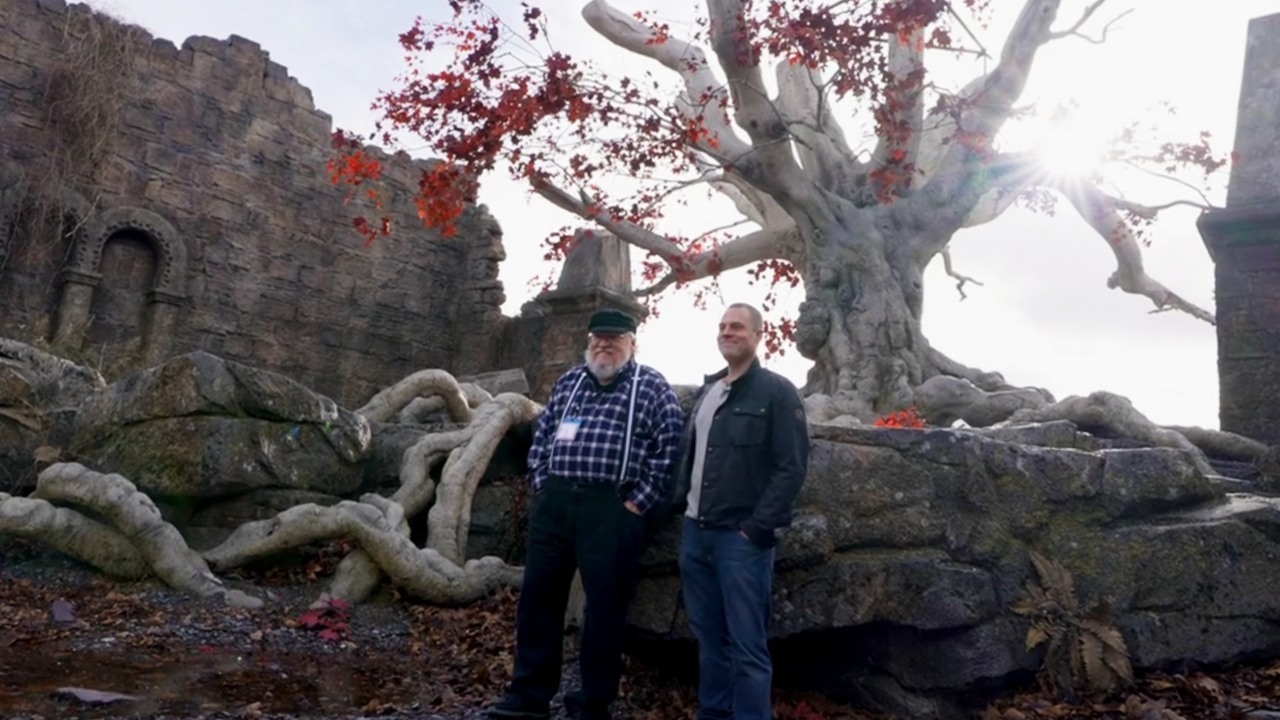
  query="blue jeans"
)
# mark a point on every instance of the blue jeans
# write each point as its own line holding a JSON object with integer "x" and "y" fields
{"x": 728, "y": 582}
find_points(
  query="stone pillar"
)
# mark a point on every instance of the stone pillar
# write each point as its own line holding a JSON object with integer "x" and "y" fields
{"x": 1244, "y": 241}
{"x": 550, "y": 336}
{"x": 162, "y": 315}
{"x": 73, "y": 308}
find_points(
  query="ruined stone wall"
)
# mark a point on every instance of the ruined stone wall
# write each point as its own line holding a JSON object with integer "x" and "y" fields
{"x": 211, "y": 223}
{"x": 1244, "y": 241}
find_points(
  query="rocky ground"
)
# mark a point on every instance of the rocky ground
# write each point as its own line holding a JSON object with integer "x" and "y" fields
{"x": 70, "y": 642}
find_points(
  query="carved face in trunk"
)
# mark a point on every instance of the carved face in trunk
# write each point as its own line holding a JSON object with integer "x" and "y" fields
{"x": 739, "y": 335}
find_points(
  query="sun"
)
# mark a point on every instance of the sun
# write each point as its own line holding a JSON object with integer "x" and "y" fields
{"x": 1072, "y": 146}
{"x": 1069, "y": 155}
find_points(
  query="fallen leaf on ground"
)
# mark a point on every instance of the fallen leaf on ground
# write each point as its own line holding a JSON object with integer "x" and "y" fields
{"x": 96, "y": 697}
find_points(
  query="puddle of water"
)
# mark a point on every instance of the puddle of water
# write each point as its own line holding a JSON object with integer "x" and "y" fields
{"x": 193, "y": 682}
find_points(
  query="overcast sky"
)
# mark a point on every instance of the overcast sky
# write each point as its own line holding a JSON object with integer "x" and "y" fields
{"x": 1044, "y": 316}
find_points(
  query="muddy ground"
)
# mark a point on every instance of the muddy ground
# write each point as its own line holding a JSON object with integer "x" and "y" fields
{"x": 62, "y": 627}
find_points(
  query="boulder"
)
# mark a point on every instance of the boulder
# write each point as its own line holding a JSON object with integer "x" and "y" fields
{"x": 202, "y": 427}
{"x": 39, "y": 394}
{"x": 895, "y": 581}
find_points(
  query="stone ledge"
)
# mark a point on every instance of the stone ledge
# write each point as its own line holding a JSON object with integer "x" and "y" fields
{"x": 1247, "y": 225}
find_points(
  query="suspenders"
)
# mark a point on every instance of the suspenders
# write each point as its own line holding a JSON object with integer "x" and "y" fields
{"x": 631, "y": 417}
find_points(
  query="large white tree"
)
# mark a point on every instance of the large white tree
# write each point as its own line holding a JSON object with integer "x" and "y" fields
{"x": 760, "y": 95}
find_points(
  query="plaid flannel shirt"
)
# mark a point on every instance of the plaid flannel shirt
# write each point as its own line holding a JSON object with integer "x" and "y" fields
{"x": 594, "y": 454}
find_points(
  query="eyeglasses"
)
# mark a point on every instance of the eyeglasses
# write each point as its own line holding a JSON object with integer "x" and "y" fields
{"x": 606, "y": 337}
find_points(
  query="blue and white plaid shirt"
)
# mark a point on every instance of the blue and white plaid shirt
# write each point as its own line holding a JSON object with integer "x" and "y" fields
{"x": 595, "y": 452}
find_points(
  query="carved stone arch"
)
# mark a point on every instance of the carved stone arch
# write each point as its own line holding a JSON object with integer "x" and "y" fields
{"x": 167, "y": 292}
{"x": 171, "y": 252}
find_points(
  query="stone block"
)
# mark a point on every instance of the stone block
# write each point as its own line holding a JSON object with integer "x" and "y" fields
{"x": 500, "y": 381}
{"x": 1256, "y": 177}
{"x": 596, "y": 260}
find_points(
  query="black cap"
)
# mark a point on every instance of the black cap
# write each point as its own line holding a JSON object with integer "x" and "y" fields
{"x": 613, "y": 322}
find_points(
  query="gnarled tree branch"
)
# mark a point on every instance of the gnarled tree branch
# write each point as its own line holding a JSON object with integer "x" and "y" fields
{"x": 1102, "y": 213}
{"x": 987, "y": 104}
{"x": 905, "y": 94}
{"x": 739, "y": 252}
{"x": 777, "y": 172}
{"x": 705, "y": 98}
{"x": 820, "y": 142}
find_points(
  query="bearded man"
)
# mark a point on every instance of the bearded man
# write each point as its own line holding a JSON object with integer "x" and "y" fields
{"x": 603, "y": 456}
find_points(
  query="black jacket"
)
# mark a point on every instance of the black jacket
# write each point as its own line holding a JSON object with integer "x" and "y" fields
{"x": 757, "y": 456}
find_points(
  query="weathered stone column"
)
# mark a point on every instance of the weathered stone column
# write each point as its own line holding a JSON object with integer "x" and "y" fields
{"x": 1244, "y": 241}
{"x": 73, "y": 308}
{"x": 550, "y": 335}
{"x": 162, "y": 314}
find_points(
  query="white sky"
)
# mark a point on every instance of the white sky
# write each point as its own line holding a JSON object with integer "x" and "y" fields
{"x": 1044, "y": 316}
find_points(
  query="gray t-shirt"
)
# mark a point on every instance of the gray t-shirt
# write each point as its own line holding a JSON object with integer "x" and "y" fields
{"x": 711, "y": 402}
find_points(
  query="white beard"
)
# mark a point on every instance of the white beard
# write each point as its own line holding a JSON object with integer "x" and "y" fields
{"x": 603, "y": 369}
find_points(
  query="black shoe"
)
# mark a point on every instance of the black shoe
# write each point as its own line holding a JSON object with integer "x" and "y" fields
{"x": 575, "y": 706}
{"x": 512, "y": 707}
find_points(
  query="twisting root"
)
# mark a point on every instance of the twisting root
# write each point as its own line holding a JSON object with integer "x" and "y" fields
{"x": 450, "y": 518}
{"x": 419, "y": 408}
{"x": 384, "y": 406}
{"x": 73, "y": 534}
{"x": 132, "y": 512}
{"x": 943, "y": 399}
{"x": 1220, "y": 444}
{"x": 469, "y": 451}
{"x": 1117, "y": 416}
{"x": 424, "y": 573}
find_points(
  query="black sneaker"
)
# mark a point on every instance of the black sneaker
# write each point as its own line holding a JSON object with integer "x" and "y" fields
{"x": 512, "y": 707}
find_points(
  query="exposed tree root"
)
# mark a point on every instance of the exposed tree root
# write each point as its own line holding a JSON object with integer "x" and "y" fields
{"x": 423, "y": 573}
{"x": 450, "y": 518}
{"x": 1112, "y": 415}
{"x": 72, "y": 534}
{"x": 990, "y": 381}
{"x": 943, "y": 399}
{"x": 425, "y": 383}
{"x": 469, "y": 452}
{"x": 133, "y": 513}
{"x": 1219, "y": 444}
{"x": 421, "y": 408}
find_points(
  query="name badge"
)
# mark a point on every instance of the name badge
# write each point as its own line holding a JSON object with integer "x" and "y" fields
{"x": 568, "y": 429}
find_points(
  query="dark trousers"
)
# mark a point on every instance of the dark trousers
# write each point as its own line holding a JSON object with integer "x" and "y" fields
{"x": 727, "y": 583}
{"x": 586, "y": 528}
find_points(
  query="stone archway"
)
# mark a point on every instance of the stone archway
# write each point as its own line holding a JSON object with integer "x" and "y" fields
{"x": 85, "y": 272}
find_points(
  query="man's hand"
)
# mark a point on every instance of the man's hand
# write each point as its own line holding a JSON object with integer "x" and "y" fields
{"x": 632, "y": 508}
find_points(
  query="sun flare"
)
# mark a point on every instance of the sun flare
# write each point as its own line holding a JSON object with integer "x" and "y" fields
{"x": 1072, "y": 147}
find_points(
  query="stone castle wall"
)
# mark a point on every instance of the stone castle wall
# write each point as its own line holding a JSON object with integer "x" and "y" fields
{"x": 213, "y": 224}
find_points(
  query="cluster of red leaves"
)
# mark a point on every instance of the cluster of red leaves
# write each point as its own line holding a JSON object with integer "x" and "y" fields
{"x": 501, "y": 100}
{"x": 775, "y": 275}
{"x": 543, "y": 116}
{"x": 907, "y": 418}
{"x": 331, "y": 620}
